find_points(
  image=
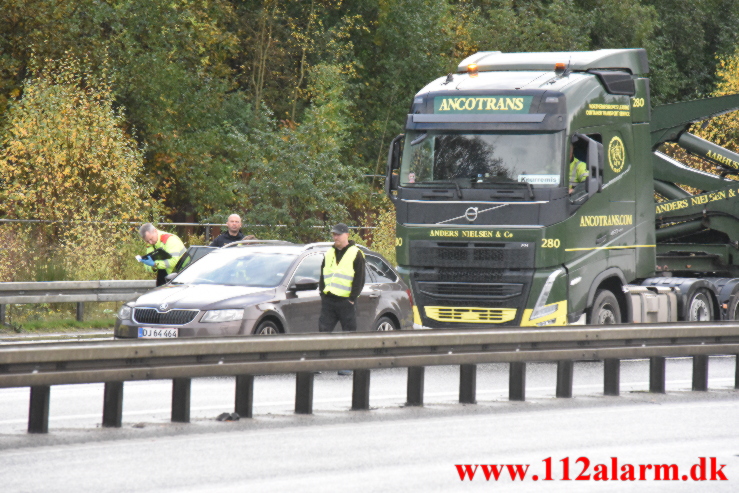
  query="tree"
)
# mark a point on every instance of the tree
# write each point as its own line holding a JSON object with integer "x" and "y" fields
{"x": 65, "y": 152}
{"x": 294, "y": 175}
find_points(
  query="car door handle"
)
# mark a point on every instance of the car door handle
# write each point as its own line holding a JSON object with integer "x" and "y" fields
{"x": 600, "y": 239}
{"x": 374, "y": 295}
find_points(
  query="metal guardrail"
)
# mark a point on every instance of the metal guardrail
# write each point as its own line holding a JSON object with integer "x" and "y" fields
{"x": 115, "y": 362}
{"x": 70, "y": 291}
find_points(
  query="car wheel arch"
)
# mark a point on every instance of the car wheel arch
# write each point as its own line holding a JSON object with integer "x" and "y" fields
{"x": 388, "y": 314}
{"x": 269, "y": 317}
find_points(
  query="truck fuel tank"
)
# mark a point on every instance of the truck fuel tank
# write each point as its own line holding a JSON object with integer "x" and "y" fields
{"x": 652, "y": 304}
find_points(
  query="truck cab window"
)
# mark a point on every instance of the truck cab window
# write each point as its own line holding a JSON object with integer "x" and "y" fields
{"x": 480, "y": 159}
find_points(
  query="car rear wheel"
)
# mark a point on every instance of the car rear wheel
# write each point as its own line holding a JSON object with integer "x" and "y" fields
{"x": 267, "y": 328}
{"x": 385, "y": 324}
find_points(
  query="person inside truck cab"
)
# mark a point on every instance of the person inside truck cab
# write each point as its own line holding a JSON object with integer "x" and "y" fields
{"x": 578, "y": 170}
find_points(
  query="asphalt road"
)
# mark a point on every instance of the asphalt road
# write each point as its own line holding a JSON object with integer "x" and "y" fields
{"x": 390, "y": 447}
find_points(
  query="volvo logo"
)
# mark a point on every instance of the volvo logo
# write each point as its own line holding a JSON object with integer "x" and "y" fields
{"x": 471, "y": 214}
{"x": 163, "y": 307}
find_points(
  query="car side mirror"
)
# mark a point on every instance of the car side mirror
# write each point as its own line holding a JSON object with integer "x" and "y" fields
{"x": 304, "y": 284}
{"x": 170, "y": 277}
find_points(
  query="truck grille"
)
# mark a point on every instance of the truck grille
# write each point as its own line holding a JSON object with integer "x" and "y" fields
{"x": 486, "y": 291}
{"x": 480, "y": 255}
{"x": 470, "y": 314}
{"x": 172, "y": 317}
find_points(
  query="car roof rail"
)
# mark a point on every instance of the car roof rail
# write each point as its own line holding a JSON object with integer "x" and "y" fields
{"x": 311, "y": 246}
{"x": 258, "y": 242}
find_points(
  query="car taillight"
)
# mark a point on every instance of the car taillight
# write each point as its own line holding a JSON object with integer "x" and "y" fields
{"x": 410, "y": 296}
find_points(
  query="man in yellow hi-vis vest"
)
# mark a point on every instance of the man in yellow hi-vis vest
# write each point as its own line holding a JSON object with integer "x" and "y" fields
{"x": 342, "y": 280}
{"x": 168, "y": 243}
{"x": 578, "y": 171}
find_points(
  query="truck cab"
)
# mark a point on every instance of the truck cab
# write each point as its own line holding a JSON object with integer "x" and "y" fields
{"x": 523, "y": 189}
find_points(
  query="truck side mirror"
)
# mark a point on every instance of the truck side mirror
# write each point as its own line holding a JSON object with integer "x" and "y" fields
{"x": 393, "y": 166}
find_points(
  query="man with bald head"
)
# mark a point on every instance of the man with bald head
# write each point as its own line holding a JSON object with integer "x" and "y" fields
{"x": 232, "y": 233}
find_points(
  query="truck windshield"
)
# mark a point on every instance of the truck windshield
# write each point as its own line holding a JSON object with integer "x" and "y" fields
{"x": 470, "y": 159}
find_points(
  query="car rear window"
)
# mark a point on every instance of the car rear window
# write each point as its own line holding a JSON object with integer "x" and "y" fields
{"x": 382, "y": 272}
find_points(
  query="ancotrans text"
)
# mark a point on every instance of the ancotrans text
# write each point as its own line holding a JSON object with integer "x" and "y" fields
{"x": 581, "y": 469}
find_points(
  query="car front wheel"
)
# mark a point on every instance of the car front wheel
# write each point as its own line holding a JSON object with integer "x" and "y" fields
{"x": 384, "y": 324}
{"x": 267, "y": 328}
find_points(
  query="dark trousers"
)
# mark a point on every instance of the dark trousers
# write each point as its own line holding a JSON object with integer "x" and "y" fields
{"x": 335, "y": 309}
{"x": 161, "y": 274}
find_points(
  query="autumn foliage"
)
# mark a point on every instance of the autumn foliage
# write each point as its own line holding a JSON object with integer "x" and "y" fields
{"x": 66, "y": 154}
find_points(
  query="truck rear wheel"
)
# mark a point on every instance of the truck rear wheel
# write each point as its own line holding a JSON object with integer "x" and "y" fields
{"x": 733, "y": 311}
{"x": 700, "y": 307}
{"x": 605, "y": 309}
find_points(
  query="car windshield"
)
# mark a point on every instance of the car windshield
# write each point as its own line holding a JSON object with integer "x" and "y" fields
{"x": 469, "y": 159}
{"x": 238, "y": 267}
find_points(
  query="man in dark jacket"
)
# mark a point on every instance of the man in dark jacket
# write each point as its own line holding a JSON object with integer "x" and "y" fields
{"x": 341, "y": 282}
{"x": 232, "y": 233}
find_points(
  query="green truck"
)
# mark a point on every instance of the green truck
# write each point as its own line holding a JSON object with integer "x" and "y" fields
{"x": 530, "y": 189}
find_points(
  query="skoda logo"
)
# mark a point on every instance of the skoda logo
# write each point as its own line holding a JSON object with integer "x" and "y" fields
{"x": 163, "y": 307}
{"x": 471, "y": 214}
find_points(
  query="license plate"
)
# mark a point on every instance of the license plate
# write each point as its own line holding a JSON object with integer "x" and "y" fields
{"x": 154, "y": 333}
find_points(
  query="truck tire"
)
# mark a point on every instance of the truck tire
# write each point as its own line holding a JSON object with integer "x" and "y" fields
{"x": 700, "y": 307}
{"x": 605, "y": 309}
{"x": 732, "y": 313}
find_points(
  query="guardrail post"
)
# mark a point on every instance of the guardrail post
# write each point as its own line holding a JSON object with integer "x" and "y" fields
{"x": 207, "y": 241}
{"x": 657, "y": 374}
{"x": 736, "y": 372}
{"x": 700, "y": 372}
{"x": 564, "y": 378}
{"x": 611, "y": 376}
{"x": 467, "y": 384}
{"x": 360, "y": 390}
{"x": 304, "y": 392}
{"x": 517, "y": 381}
{"x": 113, "y": 404}
{"x": 2, "y": 314}
{"x": 414, "y": 394}
{"x": 38, "y": 412}
{"x": 80, "y": 311}
{"x": 244, "y": 395}
{"x": 181, "y": 400}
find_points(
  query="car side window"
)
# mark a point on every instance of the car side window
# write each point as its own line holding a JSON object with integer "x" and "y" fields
{"x": 382, "y": 272}
{"x": 309, "y": 267}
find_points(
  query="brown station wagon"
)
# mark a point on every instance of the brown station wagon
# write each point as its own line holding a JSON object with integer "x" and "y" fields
{"x": 259, "y": 287}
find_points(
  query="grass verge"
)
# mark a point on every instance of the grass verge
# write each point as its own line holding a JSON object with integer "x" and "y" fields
{"x": 66, "y": 325}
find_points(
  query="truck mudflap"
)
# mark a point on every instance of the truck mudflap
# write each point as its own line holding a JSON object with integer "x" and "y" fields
{"x": 652, "y": 304}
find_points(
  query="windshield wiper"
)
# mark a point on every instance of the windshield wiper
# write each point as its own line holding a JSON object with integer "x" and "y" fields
{"x": 456, "y": 184}
{"x": 528, "y": 186}
{"x": 448, "y": 182}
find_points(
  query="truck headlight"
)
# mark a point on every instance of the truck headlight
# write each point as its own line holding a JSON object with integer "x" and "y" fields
{"x": 124, "y": 313}
{"x": 222, "y": 315}
{"x": 539, "y": 309}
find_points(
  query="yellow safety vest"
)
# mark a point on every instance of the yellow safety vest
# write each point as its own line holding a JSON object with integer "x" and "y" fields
{"x": 578, "y": 171}
{"x": 173, "y": 246}
{"x": 338, "y": 278}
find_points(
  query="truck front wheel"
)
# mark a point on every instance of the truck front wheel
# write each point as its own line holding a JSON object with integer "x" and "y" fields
{"x": 605, "y": 309}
